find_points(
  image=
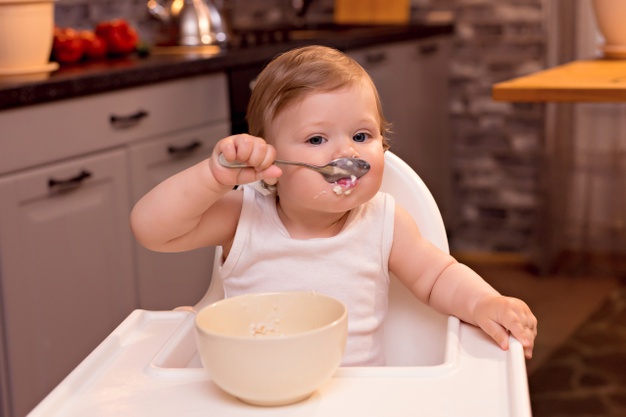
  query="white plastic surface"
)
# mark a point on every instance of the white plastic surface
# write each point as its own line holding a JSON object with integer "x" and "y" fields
{"x": 148, "y": 367}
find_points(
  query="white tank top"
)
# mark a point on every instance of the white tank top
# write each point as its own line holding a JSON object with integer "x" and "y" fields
{"x": 351, "y": 266}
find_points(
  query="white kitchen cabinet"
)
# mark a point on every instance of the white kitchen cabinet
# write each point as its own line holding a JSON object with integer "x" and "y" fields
{"x": 169, "y": 280}
{"x": 412, "y": 80}
{"x": 70, "y": 270}
{"x": 66, "y": 268}
{"x": 53, "y": 131}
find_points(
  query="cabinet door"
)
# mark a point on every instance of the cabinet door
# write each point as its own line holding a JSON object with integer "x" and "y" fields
{"x": 103, "y": 121}
{"x": 429, "y": 62}
{"x": 411, "y": 78}
{"x": 66, "y": 273}
{"x": 388, "y": 66}
{"x": 169, "y": 280}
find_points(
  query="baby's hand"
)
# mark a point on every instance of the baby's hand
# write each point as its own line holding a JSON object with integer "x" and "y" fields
{"x": 498, "y": 316}
{"x": 252, "y": 151}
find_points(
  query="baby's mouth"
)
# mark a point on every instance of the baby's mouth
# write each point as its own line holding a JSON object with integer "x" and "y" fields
{"x": 345, "y": 185}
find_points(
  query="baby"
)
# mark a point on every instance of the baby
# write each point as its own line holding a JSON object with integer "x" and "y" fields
{"x": 286, "y": 228}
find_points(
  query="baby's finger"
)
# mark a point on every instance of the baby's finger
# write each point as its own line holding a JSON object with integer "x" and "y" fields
{"x": 263, "y": 156}
{"x": 244, "y": 146}
{"x": 524, "y": 327}
{"x": 525, "y": 334}
{"x": 528, "y": 352}
{"x": 270, "y": 156}
{"x": 236, "y": 148}
{"x": 497, "y": 333}
{"x": 225, "y": 146}
{"x": 270, "y": 175}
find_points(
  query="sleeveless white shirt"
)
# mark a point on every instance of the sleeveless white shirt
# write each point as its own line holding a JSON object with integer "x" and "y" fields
{"x": 351, "y": 266}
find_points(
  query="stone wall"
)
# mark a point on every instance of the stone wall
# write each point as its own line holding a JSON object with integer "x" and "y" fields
{"x": 497, "y": 146}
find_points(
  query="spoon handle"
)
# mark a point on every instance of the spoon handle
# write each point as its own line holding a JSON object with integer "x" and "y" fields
{"x": 223, "y": 162}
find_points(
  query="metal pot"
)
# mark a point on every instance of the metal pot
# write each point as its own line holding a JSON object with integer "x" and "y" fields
{"x": 189, "y": 22}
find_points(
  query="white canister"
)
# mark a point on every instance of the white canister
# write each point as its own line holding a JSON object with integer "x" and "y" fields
{"x": 611, "y": 19}
{"x": 26, "y": 34}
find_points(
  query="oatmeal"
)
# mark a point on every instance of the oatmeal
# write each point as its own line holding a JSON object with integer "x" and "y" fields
{"x": 265, "y": 329}
{"x": 345, "y": 185}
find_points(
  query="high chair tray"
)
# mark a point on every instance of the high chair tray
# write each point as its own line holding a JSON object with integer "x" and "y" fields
{"x": 149, "y": 366}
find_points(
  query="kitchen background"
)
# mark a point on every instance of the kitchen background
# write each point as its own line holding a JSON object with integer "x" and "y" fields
{"x": 496, "y": 146}
{"x": 527, "y": 178}
{"x": 500, "y": 155}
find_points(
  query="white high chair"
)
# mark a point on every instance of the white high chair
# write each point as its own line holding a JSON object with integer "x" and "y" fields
{"x": 409, "y": 322}
{"x": 450, "y": 368}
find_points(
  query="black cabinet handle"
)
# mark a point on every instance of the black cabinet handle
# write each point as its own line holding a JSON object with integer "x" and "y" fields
{"x": 428, "y": 49}
{"x": 69, "y": 183}
{"x": 184, "y": 149}
{"x": 375, "y": 57}
{"x": 127, "y": 120}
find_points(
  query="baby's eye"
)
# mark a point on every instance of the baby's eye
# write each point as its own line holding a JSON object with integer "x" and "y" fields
{"x": 360, "y": 137}
{"x": 316, "y": 140}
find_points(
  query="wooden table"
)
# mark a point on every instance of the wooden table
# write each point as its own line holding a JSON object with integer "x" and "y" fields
{"x": 584, "y": 81}
{"x": 600, "y": 80}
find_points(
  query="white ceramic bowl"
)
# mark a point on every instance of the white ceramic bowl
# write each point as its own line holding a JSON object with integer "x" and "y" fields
{"x": 272, "y": 348}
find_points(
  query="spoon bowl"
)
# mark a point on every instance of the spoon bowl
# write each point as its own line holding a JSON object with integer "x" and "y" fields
{"x": 332, "y": 172}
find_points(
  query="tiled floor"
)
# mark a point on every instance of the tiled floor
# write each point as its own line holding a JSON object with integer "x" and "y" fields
{"x": 586, "y": 376}
{"x": 579, "y": 363}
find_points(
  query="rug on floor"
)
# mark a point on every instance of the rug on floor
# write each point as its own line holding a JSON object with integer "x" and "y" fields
{"x": 586, "y": 376}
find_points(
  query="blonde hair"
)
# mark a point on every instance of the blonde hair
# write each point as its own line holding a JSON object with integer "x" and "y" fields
{"x": 294, "y": 74}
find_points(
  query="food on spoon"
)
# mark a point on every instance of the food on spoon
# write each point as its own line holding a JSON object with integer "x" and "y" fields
{"x": 345, "y": 185}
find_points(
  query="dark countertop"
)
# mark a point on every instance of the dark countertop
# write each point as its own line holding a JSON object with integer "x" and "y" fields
{"x": 97, "y": 77}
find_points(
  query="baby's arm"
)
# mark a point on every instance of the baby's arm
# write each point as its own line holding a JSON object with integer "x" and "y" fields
{"x": 197, "y": 206}
{"x": 452, "y": 288}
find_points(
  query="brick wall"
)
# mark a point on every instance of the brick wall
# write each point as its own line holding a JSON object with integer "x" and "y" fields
{"x": 497, "y": 146}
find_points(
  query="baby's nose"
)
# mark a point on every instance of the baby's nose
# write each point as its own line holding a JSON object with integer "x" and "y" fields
{"x": 347, "y": 150}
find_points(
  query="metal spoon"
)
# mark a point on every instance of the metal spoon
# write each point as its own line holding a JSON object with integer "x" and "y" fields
{"x": 332, "y": 172}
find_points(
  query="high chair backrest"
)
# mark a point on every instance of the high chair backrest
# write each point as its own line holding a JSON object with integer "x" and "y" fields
{"x": 414, "y": 333}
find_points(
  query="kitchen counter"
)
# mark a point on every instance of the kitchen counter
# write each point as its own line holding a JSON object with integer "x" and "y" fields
{"x": 96, "y": 77}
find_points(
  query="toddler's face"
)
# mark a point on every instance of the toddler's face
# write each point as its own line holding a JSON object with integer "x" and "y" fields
{"x": 320, "y": 128}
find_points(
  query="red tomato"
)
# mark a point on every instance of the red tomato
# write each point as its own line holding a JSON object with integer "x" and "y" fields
{"x": 67, "y": 46}
{"x": 95, "y": 47}
{"x": 119, "y": 36}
